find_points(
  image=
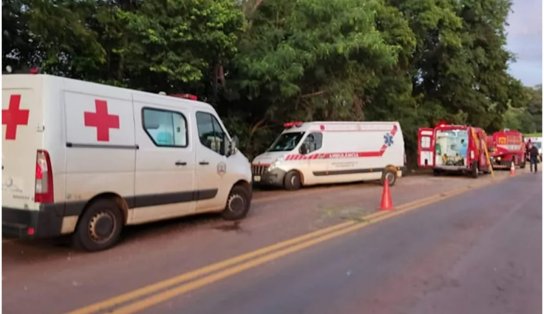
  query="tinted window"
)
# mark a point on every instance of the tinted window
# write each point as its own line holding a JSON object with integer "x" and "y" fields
{"x": 313, "y": 141}
{"x": 286, "y": 142}
{"x": 210, "y": 132}
{"x": 165, "y": 128}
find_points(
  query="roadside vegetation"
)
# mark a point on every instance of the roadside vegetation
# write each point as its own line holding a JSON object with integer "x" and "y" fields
{"x": 263, "y": 62}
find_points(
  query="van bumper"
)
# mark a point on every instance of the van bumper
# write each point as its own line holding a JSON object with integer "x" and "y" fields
{"x": 46, "y": 222}
{"x": 274, "y": 177}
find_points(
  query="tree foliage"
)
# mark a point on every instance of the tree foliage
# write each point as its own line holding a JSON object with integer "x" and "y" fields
{"x": 262, "y": 62}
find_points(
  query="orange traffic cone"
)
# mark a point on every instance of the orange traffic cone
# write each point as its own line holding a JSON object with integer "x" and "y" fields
{"x": 387, "y": 203}
{"x": 512, "y": 169}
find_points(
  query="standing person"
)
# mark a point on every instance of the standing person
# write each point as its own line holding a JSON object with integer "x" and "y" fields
{"x": 527, "y": 150}
{"x": 533, "y": 154}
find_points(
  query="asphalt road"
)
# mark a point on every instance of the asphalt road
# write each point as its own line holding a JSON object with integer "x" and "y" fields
{"x": 453, "y": 245}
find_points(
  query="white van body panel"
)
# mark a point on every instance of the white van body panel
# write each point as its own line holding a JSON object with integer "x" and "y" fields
{"x": 350, "y": 151}
{"x": 93, "y": 165}
{"x": 99, "y": 147}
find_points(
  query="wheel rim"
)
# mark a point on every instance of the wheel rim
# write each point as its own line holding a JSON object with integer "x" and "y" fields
{"x": 236, "y": 203}
{"x": 101, "y": 227}
{"x": 294, "y": 181}
{"x": 390, "y": 177}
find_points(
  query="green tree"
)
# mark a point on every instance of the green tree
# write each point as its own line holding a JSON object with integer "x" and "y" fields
{"x": 308, "y": 60}
{"x": 169, "y": 46}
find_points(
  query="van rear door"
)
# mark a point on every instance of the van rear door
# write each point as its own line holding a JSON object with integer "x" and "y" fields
{"x": 22, "y": 136}
{"x": 425, "y": 148}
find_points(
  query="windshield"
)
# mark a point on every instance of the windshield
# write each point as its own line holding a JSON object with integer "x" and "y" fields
{"x": 286, "y": 142}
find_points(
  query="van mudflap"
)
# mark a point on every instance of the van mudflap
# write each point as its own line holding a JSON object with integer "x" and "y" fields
{"x": 46, "y": 222}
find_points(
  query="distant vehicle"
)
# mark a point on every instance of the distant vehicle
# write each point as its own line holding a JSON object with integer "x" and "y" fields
{"x": 87, "y": 159}
{"x": 331, "y": 152}
{"x": 505, "y": 147}
{"x": 453, "y": 148}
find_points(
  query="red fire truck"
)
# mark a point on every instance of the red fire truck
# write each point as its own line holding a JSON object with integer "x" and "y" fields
{"x": 505, "y": 147}
{"x": 453, "y": 148}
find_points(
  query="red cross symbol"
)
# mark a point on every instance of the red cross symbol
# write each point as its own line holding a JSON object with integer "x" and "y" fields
{"x": 101, "y": 120}
{"x": 13, "y": 116}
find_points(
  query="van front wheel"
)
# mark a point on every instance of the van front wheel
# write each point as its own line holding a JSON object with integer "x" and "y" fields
{"x": 292, "y": 181}
{"x": 237, "y": 203}
{"x": 100, "y": 226}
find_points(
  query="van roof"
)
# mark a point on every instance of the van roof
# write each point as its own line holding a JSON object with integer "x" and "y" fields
{"x": 33, "y": 78}
{"x": 338, "y": 125}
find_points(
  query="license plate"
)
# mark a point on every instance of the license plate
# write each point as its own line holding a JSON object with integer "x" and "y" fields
{"x": 257, "y": 178}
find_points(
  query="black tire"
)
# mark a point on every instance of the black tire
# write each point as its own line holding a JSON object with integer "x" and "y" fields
{"x": 238, "y": 203}
{"x": 292, "y": 181}
{"x": 437, "y": 172}
{"x": 523, "y": 164}
{"x": 474, "y": 172}
{"x": 390, "y": 175}
{"x": 99, "y": 227}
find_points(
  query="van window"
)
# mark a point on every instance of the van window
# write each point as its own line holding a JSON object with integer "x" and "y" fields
{"x": 313, "y": 141}
{"x": 286, "y": 142}
{"x": 425, "y": 142}
{"x": 210, "y": 132}
{"x": 165, "y": 128}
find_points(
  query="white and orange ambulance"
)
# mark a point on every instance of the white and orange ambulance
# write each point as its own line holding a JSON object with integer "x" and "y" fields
{"x": 88, "y": 159}
{"x": 331, "y": 152}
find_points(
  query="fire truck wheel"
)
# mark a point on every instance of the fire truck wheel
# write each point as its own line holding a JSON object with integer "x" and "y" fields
{"x": 437, "y": 172}
{"x": 292, "y": 181}
{"x": 474, "y": 171}
{"x": 99, "y": 227}
{"x": 390, "y": 175}
{"x": 237, "y": 203}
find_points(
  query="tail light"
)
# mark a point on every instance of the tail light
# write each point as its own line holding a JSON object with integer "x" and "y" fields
{"x": 44, "y": 178}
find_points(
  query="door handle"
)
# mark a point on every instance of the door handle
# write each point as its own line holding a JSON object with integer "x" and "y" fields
{"x": 181, "y": 163}
{"x": 203, "y": 163}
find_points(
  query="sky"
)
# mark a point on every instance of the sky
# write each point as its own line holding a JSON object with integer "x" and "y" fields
{"x": 525, "y": 41}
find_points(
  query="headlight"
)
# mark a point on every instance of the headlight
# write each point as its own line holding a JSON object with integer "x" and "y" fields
{"x": 275, "y": 164}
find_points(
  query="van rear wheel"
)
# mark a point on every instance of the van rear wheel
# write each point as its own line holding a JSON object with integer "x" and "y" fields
{"x": 292, "y": 181}
{"x": 474, "y": 171}
{"x": 100, "y": 226}
{"x": 390, "y": 175}
{"x": 238, "y": 203}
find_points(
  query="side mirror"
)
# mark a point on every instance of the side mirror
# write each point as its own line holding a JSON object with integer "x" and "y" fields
{"x": 304, "y": 149}
{"x": 235, "y": 141}
{"x": 230, "y": 146}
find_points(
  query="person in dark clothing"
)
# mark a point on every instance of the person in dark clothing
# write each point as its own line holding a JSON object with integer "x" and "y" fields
{"x": 533, "y": 154}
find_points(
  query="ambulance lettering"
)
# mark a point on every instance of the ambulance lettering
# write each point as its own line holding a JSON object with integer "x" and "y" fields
{"x": 13, "y": 116}
{"x": 101, "y": 120}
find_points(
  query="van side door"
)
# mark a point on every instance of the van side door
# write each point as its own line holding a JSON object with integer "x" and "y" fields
{"x": 425, "y": 148}
{"x": 212, "y": 173}
{"x": 165, "y": 163}
{"x": 317, "y": 164}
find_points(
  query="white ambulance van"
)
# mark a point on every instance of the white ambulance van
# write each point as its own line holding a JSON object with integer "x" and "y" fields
{"x": 331, "y": 152}
{"x": 88, "y": 159}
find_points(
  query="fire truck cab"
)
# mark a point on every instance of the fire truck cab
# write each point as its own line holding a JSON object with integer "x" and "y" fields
{"x": 505, "y": 147}
{"x": 453, "y": 148}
